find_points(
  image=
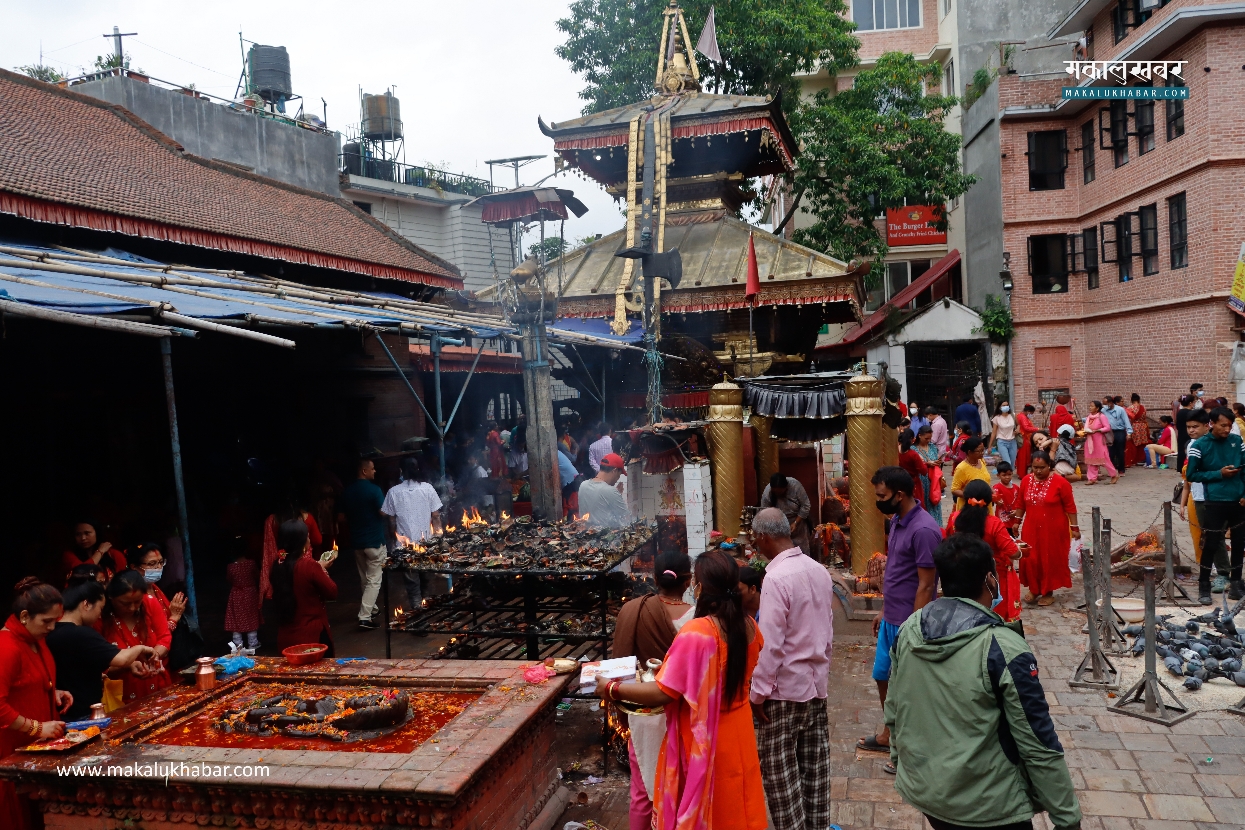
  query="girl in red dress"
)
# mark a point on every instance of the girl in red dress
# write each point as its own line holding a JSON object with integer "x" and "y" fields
{"x": 300, "y": 585}
{"x": 1048, "y": 512}
{"x": 975, "y": 519}
{"x": 134, "y": 619}
{"x": 30, "y": 703}
{"x": 1006, "y": 497}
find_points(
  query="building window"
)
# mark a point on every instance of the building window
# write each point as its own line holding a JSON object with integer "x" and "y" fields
{"x": 1119, "y": 242}
{"x": 899, "y": 275}
{"x": 873, "y": 15}
{"x": 1120, "y": 20}
{"x": 1048, "y": 263}
{"x": 949, "y": 77}
{"x": 366, "y": 207}
{"x": 1148, "y": 218}
{"x": 1178, "y": 231}
{"x": 1119, "y": 132}
{"x": 946, "y": 7}
{"x": 1087, "y": 151}
{"x": 1048, "y": 159}
{"x": 1175, "y": 112}
{"x": 1089, "y": 237}
{"x": 1143, "y": 115}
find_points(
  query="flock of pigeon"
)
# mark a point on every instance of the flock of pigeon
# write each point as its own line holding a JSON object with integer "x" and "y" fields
{"x": 1201, "y": 649}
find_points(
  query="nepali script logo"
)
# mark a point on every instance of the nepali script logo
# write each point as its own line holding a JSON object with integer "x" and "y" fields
{"x": 1122, "y": 72}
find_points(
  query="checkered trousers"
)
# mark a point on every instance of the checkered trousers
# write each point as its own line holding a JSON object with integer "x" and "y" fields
{"x": 795, "y": 764}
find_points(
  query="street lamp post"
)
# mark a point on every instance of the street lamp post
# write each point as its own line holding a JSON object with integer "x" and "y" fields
{"x": 1006, "y": 277}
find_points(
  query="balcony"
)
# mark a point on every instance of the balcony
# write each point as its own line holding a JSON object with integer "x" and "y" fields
{"x": 429, "y": 177}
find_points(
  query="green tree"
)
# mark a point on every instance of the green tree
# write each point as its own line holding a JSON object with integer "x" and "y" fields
{"x": 872, "y": 147}
{"x": 613, "y": 45}
{"x": 42, "y": 72}
{"x": 103, "y": 63}
{"x": 552, "y": 248}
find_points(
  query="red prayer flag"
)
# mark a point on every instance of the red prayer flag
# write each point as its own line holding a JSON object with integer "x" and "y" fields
{"x": 754, "y": 276}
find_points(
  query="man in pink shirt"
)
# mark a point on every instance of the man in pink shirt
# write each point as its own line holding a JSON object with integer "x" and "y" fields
{"x": 940, "y": 437}
{"x": 789, "y": 685}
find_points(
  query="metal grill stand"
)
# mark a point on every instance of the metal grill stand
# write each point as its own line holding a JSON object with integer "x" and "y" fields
{"x": 1149, "y": 690}
{"x": 1173, "y": 591}
{"x": 1104, "y": 674}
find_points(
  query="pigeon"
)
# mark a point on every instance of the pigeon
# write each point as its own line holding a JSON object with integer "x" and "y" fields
{"x": 1134, "y": 630}
{"x": 1180, "y": 636}
{"x": 1191, "y": 627}
{"x": 1139, "y": 646}
{"x": 1174, "y": 666}
{"x": 1192, "y": 667}
{"x": 1165, "y": 636}
{"x": 1231, "y": 665}
{"x": 1209, "y": 619}
{"x": 1187, "y": 654}
{"x": 1202, "y": 651}
{"x": 1192, "y": 684}
{"x": 1238, "y": 678}
{"x": 1210, "y": 664}
{"x": 1162, "y": 651}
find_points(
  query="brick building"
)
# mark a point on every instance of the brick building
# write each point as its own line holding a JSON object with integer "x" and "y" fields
{"x": 1122, "y": 218}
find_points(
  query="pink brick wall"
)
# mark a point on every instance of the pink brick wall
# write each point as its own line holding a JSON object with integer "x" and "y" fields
{"x": 1132, "y": 337}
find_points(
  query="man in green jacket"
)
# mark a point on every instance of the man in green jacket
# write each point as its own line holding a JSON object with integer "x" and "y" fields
{"x": 973, "y": 743}
{"x": 1215, "y": 461}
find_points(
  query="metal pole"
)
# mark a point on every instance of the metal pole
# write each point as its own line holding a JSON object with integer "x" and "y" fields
{"x": 1151, "y": 663}
{"x": 1172, "y": 590}
{"x": 166, "y": 360}
{"x": 434, "y": 346}
{"x": 463, "y": 391}
{"x": 436, "y": 426}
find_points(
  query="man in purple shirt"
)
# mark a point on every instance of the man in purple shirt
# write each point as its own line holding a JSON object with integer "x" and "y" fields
{"x": 909, "y": 583}
{"x": 789, "y": 685}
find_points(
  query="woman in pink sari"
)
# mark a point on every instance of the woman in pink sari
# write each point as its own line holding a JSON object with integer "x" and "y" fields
{"x": 708, "y": 773}
{"x": 1097, "y": 428}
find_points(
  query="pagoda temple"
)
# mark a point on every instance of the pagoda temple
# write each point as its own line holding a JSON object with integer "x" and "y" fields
{"x": 702, "y": 151}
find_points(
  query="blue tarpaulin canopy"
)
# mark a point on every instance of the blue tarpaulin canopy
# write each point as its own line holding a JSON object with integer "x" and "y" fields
{"x": 115, "y": 282}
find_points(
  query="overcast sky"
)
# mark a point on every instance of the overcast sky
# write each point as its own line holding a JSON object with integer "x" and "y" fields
{"x": 471, "y": 75}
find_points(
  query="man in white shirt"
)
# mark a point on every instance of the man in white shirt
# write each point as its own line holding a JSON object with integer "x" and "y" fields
{"x": 599, "y": 498}
{"x": 603, "y": 446}
{"x": 414, "y": 511}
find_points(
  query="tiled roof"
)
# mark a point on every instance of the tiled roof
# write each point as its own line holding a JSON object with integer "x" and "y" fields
{"x": 74, "y": 160}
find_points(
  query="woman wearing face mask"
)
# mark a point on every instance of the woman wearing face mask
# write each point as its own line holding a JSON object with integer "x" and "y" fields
{"x": 150, "y": 560}
{"x": 975, "y": 519}
{"x": 1003, "y": 432}
{"x": 132, "y": 619}
{"x": 30, "y": 703}
{"x": 1048, "y": 513}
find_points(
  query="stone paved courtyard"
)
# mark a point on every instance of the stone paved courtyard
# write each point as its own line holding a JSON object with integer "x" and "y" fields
{"x": 1129, "y": 774}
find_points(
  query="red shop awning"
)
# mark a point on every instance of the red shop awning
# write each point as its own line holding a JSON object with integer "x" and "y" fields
{"x": 875, "y": 320}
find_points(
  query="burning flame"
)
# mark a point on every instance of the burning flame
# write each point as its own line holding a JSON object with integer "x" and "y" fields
{"x": 585, "y": 517}
{"x": 474, "y": 519}
{"x": 403, "y": 542}
{"x": 334, "y": 546}
{"x": 398, "y": 613}
{"x": 450, "y": 529}
{"x": 504, "y": 515}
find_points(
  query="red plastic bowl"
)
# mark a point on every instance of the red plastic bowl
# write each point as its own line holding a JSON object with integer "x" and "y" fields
{"x": 303, "y": 654}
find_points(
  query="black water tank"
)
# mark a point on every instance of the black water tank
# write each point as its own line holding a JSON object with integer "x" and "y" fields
{"x": 352, "y": 158}
{"x": 270, "y": 72}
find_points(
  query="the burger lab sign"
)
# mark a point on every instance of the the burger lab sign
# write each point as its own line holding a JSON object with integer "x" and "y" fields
{"x": 1143, "y": 75}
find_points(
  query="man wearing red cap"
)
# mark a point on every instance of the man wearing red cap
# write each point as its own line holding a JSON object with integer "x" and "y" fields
{"x": 599, "y": 498}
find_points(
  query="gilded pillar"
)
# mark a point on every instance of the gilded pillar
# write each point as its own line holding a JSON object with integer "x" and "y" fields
{"x": 766, "y": 447}
{"x": 865, "y": 454}
{"x": 726, "y": 451}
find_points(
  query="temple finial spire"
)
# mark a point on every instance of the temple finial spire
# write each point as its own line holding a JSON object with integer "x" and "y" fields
{"x": 676, "y": 65}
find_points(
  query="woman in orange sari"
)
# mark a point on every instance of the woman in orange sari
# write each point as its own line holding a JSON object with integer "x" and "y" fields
{"x": 1135, "y": 446}
{"x": 708, "y": 772}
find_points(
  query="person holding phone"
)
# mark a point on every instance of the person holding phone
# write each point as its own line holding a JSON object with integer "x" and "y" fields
{"x": 1215, "y": 461}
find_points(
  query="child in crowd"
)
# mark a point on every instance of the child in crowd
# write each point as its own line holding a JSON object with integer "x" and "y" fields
{"x": 1006, "y": 498}
{"x": 242, "y": 610}
{"x": 956, "y": 453}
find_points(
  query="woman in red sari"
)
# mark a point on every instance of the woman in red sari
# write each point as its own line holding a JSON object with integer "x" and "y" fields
{"x": 300, "y": 585}
{"x": 1135, "y": 446}
{"x": 88, "y": 549}
{"x": 150, "y": 560}
{"x": 1062, "y": 414}
{"x": 912, "y": 462}
{"x": 975, "y": 519}
{"x": 134, "y": 619}
{"x": 30, "y": 703}
{"x": 1025, "y": 429}
{"x": 1048, "y": 512}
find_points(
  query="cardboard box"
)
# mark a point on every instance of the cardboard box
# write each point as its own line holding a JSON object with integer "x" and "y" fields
{"x": 620, "y": 668}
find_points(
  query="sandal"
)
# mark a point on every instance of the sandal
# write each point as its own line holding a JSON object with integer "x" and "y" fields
{"x": 871, "y": 744}
{"x": 1046, "y": 601}
{"x": 1030, "y": 599}
{"x": 889, "y": 768}
{"x": 1115, "y": 479}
